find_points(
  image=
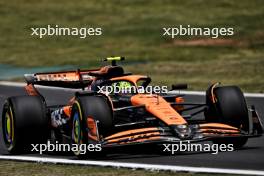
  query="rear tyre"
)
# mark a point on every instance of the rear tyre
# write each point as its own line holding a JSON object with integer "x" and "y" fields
{"x": 84, "y": 109}
{"x": 229, "y": 108}
{"x": 24, "y": 122}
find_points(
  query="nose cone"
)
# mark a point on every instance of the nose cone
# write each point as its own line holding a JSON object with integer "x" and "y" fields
{"x": 182, "y": 131}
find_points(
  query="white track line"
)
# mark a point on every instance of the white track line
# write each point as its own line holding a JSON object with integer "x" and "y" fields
{"x": 133, "y": 165}
{"x": 200, "y": 93}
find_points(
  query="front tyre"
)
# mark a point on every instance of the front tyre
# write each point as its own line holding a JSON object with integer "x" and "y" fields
{"x": 227, "y": 105}
{"x": 91, "y": 119}
{"x": 24, "y": 122}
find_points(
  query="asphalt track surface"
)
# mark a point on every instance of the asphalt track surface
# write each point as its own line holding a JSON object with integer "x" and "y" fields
{"x": 250, "y": 157}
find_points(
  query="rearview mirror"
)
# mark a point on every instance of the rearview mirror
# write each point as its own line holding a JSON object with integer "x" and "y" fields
{"x": 179, "y": 86}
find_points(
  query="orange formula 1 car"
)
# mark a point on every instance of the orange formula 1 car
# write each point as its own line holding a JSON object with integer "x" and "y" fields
{"x": 116, "y": 119}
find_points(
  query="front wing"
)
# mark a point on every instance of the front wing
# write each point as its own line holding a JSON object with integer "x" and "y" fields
{"x": 200, "y": 132}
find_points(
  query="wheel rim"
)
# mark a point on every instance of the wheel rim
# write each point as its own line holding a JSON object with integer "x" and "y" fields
{"x": 76, "y": 128}
{"x": 77, "y": 134}
{"x": 9, "y": 128}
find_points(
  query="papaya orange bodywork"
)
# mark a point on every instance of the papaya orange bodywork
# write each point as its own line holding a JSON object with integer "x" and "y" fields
{"x": 31, "y": 90}
{"x": 147, "y": 134}
{"x": 131, "y": 132}
{"x": 136, "y": 138}
{"x": 179, "y": 107}
{"x": 217, "y": 125}
{"x": 67, "y": 111}
{"x": 159, "y": 107}
{"x": 92, "y": 129}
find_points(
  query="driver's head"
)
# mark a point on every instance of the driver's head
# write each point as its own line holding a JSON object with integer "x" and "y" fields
{"x": 124, "y": 86}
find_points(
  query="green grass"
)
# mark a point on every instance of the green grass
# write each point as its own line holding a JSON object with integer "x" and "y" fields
{"x": 38, "y": 169}
{"x": 134, "y": 29}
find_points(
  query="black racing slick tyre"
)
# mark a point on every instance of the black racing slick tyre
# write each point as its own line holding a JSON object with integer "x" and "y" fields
{"x": 229, "y": 108}
{"x": 92, "y": 117}
{"x": 24, "y": 122}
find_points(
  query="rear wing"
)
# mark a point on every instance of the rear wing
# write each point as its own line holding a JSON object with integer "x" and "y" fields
{"x": 78, "y": 79}
{"x": 68, "y": 79}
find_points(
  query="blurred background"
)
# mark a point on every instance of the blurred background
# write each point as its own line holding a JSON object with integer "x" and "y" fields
{"x": 134, "y": 29}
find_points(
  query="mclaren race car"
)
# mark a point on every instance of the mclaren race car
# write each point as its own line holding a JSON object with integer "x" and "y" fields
{"x": 117, "y": 119}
